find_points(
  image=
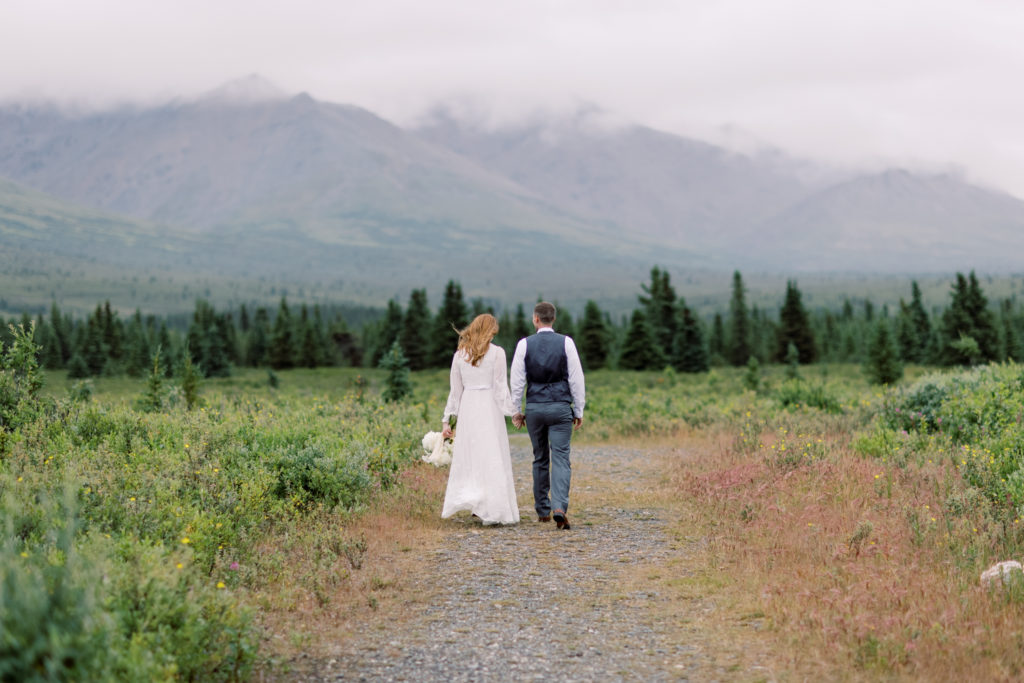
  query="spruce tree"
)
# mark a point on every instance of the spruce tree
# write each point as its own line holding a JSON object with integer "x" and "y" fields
{"x": 985, "y": 332}
{"x": 906, "y": 335}
{"x": 716, "y": 342}
{"x": 208, "y": 341}
{"x": 232, "y": 346}
{"x": 153, "y": 399}
{"x": 308, "y": 355}
{"x": 347, "y": 348}
{"x": 689, "y": 350}
{"x": 792, "y": 361}
{"x": 189, "y": 380}
{"x": 883, "y": 365}
{"x": 762, "y": 335}
{"x": 594, "y": 338}
{"x": 397, "y": 384}
{"x": 914, "y": 329}
{"x": 243, "y": 320}
{"x": 1010, "y": 341}
{"x": 136, "y": 350}
{"x": 521, "y": 325}
{"x": 506, "y": 337}
{"x": 639, "y": 350}
{"x": 165, "y": 350}
{"x": 968, "y": 329}
{"x": 113, "y": 333}
{"x": 257, "y": 344}
{"x": 321, "y": 338}
{"x": 62, "y": 333}
{"x": 752, "y": 377}
{"x": 659, "y": 301}
{"x": 739, "y": 324}
{"x": 794, "y": 327}
{"x": 847, "y": 314}
{"x": 564, "y": 323}
{"x": 830, "y": 342}
{"x": 388, "y": 331}
{"x": 452, "y": 316}
{"x": 478, "y": 307}
{"x": 93, "y": 351}
{"x": 49, "y": 346}
{"x": 416, "y": 329}
{"x": 869, "y": 311}
{"x": 77, "y": 367}
{"x": 281, "y": 353}
{"x": 220, "y": 341}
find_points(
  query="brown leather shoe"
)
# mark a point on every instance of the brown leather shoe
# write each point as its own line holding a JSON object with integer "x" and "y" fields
{"x": 561, "y": 520}
{"x": 544, "y": 519}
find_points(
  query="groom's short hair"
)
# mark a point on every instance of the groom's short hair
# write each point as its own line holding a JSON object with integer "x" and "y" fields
{"x": 545, "y": 312}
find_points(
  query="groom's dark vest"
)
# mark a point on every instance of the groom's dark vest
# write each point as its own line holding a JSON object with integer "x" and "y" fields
{"x": 547, "y": 369}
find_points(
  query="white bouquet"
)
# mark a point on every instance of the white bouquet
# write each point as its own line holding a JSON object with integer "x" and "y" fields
{"x": 437, "y": 449}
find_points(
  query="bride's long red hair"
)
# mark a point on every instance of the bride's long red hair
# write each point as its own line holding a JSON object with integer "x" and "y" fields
{"x": 475, "y": 338}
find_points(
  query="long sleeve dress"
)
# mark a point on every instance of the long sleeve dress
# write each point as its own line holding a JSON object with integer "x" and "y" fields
{"x": 480, "y": 479}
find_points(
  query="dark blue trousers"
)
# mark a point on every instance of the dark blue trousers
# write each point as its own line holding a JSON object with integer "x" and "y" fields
{"x": 550, "y": 429}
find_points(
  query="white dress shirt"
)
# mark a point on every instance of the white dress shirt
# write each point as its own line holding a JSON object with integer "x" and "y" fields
{"x": 576, "y": 384}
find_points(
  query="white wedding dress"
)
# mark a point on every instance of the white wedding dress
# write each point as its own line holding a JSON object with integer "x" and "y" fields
{"x": 480, "y": 479}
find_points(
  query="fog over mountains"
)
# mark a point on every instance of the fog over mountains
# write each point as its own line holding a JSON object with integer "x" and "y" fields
{"x": 287, "y": 184}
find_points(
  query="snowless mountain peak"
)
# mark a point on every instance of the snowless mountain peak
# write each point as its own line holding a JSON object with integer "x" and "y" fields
{"x": 246, "y": 90}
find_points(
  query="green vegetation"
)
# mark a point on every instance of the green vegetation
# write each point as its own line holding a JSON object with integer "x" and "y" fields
{"x": 191, "y": 514}
{"x": 973, "y": 418}
{"x": 163, "y": 457}
{"x": 662, "y": 331}
{"x": 175, "y": 510}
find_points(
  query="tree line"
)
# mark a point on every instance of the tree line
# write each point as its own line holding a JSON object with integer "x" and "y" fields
{"x": 662, "y": 331}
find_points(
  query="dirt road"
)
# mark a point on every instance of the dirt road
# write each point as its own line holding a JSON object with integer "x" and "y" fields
{"x": 613, "y": 599}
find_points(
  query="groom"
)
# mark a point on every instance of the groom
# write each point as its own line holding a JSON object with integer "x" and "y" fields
{"x": 547, "y": 366}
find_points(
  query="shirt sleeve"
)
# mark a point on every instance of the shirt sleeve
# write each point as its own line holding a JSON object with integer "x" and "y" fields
{"x": 500, "y": 384}
{"x": 577, "y": 386}
{"x": 455, "y": 393}
{"x": 519, "y": 374}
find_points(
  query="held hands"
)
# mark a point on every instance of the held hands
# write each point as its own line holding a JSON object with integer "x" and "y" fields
{"x": 518, "y": 420}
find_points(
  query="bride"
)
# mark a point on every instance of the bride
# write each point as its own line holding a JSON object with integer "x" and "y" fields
{"x": 480, "y": 479}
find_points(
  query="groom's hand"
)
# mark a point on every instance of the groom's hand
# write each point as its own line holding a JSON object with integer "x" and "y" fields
{"x": 518, "y": 419}
{"x": 577, "y": 422}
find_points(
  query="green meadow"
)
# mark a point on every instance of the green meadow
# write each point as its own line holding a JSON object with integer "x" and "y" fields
{"x": 162, "y": 543}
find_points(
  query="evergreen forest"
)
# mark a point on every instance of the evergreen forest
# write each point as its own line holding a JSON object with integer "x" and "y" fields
{"x": 662, "y": 331}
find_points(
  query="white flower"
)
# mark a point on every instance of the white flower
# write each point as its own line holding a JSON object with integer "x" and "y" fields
{"x": 438, "y": 451}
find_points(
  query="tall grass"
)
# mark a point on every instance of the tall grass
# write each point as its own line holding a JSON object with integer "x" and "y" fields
{"x": 859, "y": 535}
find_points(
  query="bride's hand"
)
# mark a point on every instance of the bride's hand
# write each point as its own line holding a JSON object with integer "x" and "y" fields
{"x": 446, "y": 432}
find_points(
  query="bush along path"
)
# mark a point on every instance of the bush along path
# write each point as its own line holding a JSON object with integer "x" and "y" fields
{"x": 612, "y": 599}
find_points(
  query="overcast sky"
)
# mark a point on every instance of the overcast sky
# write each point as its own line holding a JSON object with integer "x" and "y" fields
{"x": 933, "y": 84}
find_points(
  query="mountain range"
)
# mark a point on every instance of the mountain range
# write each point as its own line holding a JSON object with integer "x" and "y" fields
{"x": 251, "y": 182}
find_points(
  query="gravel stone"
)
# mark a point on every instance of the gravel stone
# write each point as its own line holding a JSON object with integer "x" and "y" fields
{"x": 532, "y": 603}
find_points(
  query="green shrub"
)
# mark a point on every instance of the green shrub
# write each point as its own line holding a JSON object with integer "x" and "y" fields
{"x": 92, "y": 425}
{"x": 78, "y": 606}
{"x": 310, "y": 475}
{"x": 797, "y": 393}
{"x": 20, "y": 382}
{"x": 919, "y": 408}
{"x": 50, "y": 619}
{"x": 979, "y": 414}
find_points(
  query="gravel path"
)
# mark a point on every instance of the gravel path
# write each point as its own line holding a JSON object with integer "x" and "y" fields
{"x": 529, "y": 602}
